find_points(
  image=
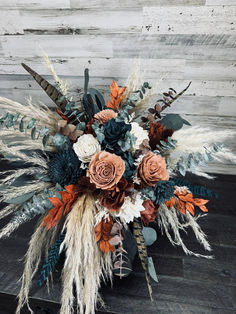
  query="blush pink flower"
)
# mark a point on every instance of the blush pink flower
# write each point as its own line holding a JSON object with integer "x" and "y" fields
{"x": 105, "y": 115}
{"x": 152, "y": 169}
{"x": 106, "y": 170}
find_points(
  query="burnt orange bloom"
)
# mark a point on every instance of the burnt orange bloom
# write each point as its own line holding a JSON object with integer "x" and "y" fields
{"x": 116, "y": 96}
{"x": 186, "y": 202}
{"x": 60, "y": 206}
{"x": 158, "y": 132}
{"x": 103, "y": 235}
{"x": 150, "y": 213}
{"x": 170, "y": 203}
{"x": 114, "y": 199}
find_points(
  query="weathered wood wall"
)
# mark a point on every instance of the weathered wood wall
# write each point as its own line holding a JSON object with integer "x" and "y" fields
{"x": 176, "y": 40}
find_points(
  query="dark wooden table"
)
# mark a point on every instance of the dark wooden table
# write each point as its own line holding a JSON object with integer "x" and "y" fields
{"x": 186, "y": 284}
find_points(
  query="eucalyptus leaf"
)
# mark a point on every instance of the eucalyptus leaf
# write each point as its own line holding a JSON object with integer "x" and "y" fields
{"x": 173, "y": 121}
{"x": 33, "y": 133}
{"x": 151, "y": 269}
{"x": 20, "y": 199}
{"x": 21, "y": 125}
{"x": 31, "y": 123}
{"x": 45, "y": 140}
{"x": 149, "y": 235}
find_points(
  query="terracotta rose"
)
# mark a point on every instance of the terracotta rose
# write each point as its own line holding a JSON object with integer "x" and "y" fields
{"x": 114, "y": 199}
{"x": 105, "y": 115}
{"x": 150, "y": 213}
{"x": 152, "y": 169}
{"x": 106, "y": 170}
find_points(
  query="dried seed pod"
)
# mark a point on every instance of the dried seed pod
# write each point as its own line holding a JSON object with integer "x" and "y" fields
{"x": 151, "y": 110}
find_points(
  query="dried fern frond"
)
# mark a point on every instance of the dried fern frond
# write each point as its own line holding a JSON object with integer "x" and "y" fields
{"x": 40, "y": 243}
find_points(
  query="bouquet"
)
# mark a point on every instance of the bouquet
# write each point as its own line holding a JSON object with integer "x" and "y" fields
{"x": 98, "y": 173}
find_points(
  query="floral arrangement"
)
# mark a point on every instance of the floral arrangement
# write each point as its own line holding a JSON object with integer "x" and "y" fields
{"x": 101, "y": 175}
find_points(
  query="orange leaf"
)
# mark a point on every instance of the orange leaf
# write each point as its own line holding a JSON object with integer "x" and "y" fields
{"x": 200, "y": 201}
{"x": 116, "y": 96}
{"x": 203, "y": 208}
{"x": 190, "y": 208}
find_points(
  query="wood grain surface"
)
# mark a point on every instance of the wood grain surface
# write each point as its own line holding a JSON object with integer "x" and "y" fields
{"x": 186, "y": 284}
{"x": 176, "y": 41}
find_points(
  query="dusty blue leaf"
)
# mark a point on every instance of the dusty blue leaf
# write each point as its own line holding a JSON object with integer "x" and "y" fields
{"x": 45, "y": 140}
{"x": 20, "y": 199}
{"x": 33, "y": 133}
{"x": 152, "y": 270}
{"x": 31, "y": 123}
{"x": 149, "y": 235}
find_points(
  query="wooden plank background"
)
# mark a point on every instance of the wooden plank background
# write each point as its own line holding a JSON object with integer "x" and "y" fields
{"x": 177, "y": 41}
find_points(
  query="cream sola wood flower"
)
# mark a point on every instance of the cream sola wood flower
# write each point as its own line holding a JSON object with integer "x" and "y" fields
{"x": 86, "y": 146}
{"x": 139, "y": 133}
{"x": 130, "y": 209}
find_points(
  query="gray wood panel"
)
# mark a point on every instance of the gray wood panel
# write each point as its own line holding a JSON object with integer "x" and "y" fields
{"x": 176, "y": 42}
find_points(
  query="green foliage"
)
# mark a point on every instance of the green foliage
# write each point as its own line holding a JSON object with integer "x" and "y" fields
{"x": 128, "y": 141}
{"x": 149, "y": 235}
{"x": 130, "y": 103}
{"x": 142, "y": 90}
{"x": 52, "y": 259}
{"x": 9, "y": 120}
{"x": 38, "y": 205}
{"x": 194, "y": 160}
{"x": 174, "y": 121}
{"x": 99, "y": 132}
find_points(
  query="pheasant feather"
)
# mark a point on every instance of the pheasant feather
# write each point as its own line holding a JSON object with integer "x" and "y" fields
{"x": 49, "y": 89}
{"x": 142, "y": 251}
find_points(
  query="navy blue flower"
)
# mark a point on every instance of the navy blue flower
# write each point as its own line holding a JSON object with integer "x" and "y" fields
{"x": 115, "y": 131}
{"x": 64, "y": 167}
{"x": 130, "y": 167}
{"x": 163, "y": 191}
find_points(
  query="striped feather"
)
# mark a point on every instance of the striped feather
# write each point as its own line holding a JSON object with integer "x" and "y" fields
{"x": 142, "y": 251}
{"x": 50, "y": 90}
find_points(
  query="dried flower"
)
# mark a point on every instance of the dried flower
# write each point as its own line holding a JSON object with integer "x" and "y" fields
{"x": 105, "y": 115}
{"x": 106, "y": 170}
{"x": 130, "y": 209}
{"x": 158, "y": 132}
{"x": 114, "y": 199}
{"x": 115, "y": 131}
{"x": 150, "y": 213}
{"x": 64, "y": 167}
{"x": 140, "y": 134}
{"x": 103, "y": 231}
{"x": 152, "y": 169}
{"x": 86, "y": 146}
{"x": 163, "y": 191}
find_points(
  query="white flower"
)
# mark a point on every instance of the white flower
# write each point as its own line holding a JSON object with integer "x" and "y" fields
{"x": 130, "y": 209}
{"x": 139, "y": 133}
{"x": 86, "y": 146}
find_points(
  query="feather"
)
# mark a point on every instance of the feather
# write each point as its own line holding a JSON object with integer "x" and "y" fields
{"x": 49, "y": 89}
{"x": 142, "y": 251}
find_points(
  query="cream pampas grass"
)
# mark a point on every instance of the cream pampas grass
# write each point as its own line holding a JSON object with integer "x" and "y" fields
{"x": 172, "y": 222}
{"x": 40, "y": 242}
{"x": 199, "y": 139}
{"x": 62, "y": 85}
{"x": 44, "y": 115}
{"x": 85, "y": 265}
